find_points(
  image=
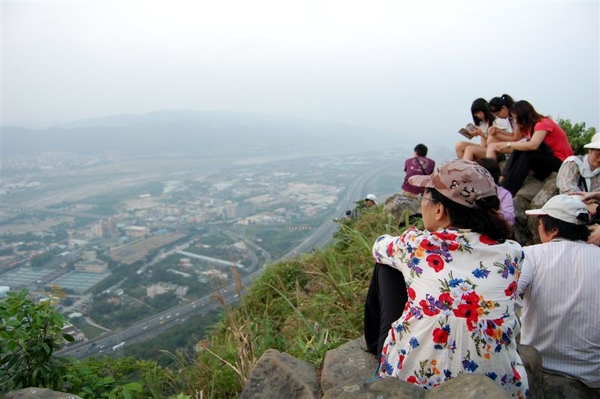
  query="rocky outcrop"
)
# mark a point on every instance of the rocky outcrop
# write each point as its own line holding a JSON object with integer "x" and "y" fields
{"x": 400, "y": 207}
{"x": 279, "y": 375}
{"x": 533, "y": 194}
{"x": 348, "y": 373}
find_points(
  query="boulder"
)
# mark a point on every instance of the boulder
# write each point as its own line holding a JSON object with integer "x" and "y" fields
{"x": 401, "y": 206}
{"x": 533, "y": 194}
{"x": 532, "y": 360}
{"x": 279, "y": 375}
{"x": 387, "y": 388}
{"x": 558, "y": 387}
{"x": 39, "y": 393}
{"x": 348, "y": 364}
{"x": 349, "y": 372}
{"x": 468, "y": 386}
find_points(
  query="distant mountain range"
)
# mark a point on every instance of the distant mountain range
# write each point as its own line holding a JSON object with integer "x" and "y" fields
{"x": 192, "y": 133}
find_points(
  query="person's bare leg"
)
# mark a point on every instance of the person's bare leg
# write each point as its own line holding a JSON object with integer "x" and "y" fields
{"x": 474, "y": 152}
{"x": 460, "y": 148}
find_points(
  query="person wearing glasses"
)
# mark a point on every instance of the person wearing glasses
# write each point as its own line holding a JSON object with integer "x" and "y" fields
{"x": 458, "y": 278}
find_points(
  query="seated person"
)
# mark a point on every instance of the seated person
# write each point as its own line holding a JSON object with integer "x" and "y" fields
{"x": 507, "y": 206}
{"x": 369, "y": 202}
{"x": 504, "y": 128}
{"x": 419, "y": 164}
{"x": 559, "y": 283}
{"x": 581, "y": 174}
{"x": 543, "y": 154}
{"x": 458, "y": 278}
{"x": 483, "y": 119}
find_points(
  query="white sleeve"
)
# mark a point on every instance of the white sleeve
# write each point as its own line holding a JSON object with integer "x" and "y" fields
{"x": 526, "y": 277}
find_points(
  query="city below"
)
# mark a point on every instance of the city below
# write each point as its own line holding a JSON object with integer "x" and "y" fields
{"x": 127, "y": 249}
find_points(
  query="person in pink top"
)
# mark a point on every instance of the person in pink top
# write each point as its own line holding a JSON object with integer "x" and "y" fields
{"x": 543, "y": 153}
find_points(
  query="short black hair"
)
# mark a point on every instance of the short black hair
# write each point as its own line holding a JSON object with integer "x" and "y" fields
{"x": 568, "y": 231}
{"x": 421, "y": 150}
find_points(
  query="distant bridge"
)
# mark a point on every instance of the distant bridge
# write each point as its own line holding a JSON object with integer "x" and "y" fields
{"x": 211, "y": 260}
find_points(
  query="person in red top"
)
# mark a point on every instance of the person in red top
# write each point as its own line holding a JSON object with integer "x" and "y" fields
{"x": 543, "y": 153}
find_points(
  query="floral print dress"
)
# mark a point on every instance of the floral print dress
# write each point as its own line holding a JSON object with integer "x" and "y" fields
{"x": 460, "y": 316}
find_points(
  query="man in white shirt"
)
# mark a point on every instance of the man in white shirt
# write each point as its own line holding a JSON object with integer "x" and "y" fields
{"x": 561, "y": 298}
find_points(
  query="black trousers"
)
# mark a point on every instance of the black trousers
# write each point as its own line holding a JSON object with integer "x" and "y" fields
{"x": 542, "y": 162}
{"x": 385, "y": 302}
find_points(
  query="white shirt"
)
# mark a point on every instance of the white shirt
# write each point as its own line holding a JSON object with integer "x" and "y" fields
{"x": 561, "y": 307}
{"x": 504, "y": 124}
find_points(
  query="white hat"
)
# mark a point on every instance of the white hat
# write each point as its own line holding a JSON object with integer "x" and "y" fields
{"x": 371, "y": 197}
{"x": 595, "y": 143}
{"x": 563, "y": 207}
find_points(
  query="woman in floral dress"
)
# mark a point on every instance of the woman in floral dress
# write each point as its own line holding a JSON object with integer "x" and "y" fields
{"x": 461, "y": 276}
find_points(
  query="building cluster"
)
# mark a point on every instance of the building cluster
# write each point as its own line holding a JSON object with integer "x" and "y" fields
{"x": 71, "y": 233}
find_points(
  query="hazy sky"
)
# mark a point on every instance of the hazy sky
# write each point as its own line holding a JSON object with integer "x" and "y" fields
{"x": 410, "y": 66}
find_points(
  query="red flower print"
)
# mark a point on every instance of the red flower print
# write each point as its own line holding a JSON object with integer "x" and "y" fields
{"x": 445, "y": 235}
{"x": 490, "y": 328}
{"x": 411, "y": 293}
{"x": 468, "y": 312}
{"x": 390, "y": 249}
{"x": 435, "y": 262}
{"x": 446, "y": 298}
{"x": 453, "y": 246}
{"x": 517, "y": 375}
{"x": 427, "y": 310}
{"x": 427, "y": 245}
{"x": 471, "y": 298}
{"x": 440, "y": 336}
{"x": 412, "y": 379}
{"x": 510, "y": 290}
{"x": 487, "y": 240}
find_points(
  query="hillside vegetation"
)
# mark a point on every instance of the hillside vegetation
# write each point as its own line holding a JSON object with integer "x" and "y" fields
{"x": 304, "y": 307}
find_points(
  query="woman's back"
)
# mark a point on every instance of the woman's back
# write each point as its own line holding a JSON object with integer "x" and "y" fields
{"x": 460, "y": 312}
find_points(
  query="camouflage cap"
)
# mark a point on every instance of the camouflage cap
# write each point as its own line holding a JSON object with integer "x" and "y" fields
{"x": 461, "y": 181}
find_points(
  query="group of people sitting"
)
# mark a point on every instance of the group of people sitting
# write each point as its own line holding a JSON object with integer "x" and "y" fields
{"x": 443, "y": 300}
{"x": 534, "y": 142}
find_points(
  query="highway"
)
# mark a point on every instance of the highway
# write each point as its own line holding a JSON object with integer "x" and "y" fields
{"x": 159, "y": 323}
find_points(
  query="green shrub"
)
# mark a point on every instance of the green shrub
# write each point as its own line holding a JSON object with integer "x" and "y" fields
{"x": 29, "y": 334}
{"x": 577, "y": 134}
